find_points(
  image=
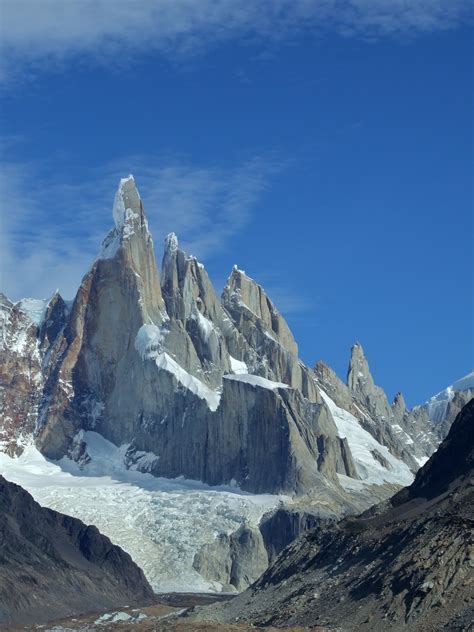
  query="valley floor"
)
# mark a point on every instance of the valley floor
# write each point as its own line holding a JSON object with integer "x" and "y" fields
{"x": 157, "y": 618}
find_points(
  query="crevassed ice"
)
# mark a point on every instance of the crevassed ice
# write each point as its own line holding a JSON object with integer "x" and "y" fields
{"x": 161, "y": 523}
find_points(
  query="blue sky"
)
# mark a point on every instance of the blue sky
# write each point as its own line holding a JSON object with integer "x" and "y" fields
{"x": 326, "y": 148}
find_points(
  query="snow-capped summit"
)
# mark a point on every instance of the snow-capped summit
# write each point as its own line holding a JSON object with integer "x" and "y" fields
{"x": 34, "y": 308}
{"x": 171, "y": 243}
{"x": 443, "y": 407}
{"x": 127, "y": 201}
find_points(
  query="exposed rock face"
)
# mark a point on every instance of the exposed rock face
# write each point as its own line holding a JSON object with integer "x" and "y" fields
{"x": 408, "y": 566}
{"x": 271, "y": 350}
{"x": 21, "y": 377}
{"x": 206, "y": 388}
{"x": 235, "y": 560}
{"x": 54, "y": 565}
{"x": 166, "y": 370}
{"x": 283, "y": 526}
{"x": 254, "y": 312}
{"x": 53, "y": 323}
{"x": 197, "y": 318}
{"x": 407, "y": 434}
{"x": 450, "y": 466}
{"x": 455, "y": 405}
{"x": 93, "y": 378}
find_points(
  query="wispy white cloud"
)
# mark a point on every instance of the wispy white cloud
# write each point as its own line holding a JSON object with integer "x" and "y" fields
{"x": 287, "y": 300}
{"x": 35, "y": 32}
{"x": 36, "y": 255}
{"x": 51, "y": 230}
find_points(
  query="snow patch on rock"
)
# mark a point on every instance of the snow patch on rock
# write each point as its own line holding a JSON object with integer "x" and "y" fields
{"x": 149, "y": 341}
{"x": 364, "y": 447}
{"x": 110, "y": 245}
{"x": 438, "y": 404}
{"x": 118, "y": 210}
{"x": 34, "y": 308}
{"x": 206, "y": 328}
{"x": 171, "y": 243}
{"x": 212, "y": 397}
{"x": 256, "y": 380}
{"x": 238, "y": 366}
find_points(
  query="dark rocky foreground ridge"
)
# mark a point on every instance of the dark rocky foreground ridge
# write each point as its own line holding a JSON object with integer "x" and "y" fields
{"x": 406, "y": 565}
{"x": 52, "y": 565}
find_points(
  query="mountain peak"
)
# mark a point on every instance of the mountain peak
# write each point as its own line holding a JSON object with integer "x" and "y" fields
{"x": 399, "y": 402}
{"x": 237, "y": 270}
{"x": 171, "y": 243}
{"x": 245, "y": 299}
{"x": 127, "y": 203}
{"x": 358, "y": 365}
{"x": 357, "y": 350}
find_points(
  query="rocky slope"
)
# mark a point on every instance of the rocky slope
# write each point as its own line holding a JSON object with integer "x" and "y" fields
{"x": 235, "y": 561}
{"x": 53, "y": 565}
{"x": 409, "y": 434}
{"x": 405, "y": 566}
{"x": 20, "y": 375}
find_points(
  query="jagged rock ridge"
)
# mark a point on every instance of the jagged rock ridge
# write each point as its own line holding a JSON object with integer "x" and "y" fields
{"x": 210, "y": 389}
{"x": 150, "y": 365}
{"x": 408, "y": 434}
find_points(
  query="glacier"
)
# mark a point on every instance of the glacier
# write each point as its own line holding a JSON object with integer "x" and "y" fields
{"x": 160, "y": 522}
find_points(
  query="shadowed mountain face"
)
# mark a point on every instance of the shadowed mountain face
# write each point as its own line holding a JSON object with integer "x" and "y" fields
{"x": 450, "y": 465}
{"x": 53, "y": 565}
{"x": 405, "y": 566}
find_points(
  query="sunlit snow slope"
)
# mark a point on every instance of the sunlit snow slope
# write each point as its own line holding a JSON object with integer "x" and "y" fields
{"x": 438, "y": 404}
{"x": 160, "y": 522}
{"x": 374, "y": 463}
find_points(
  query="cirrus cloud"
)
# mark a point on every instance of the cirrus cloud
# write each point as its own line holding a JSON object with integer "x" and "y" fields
{"x": 39, "y": 33}
{"x": 51, "y": 228}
